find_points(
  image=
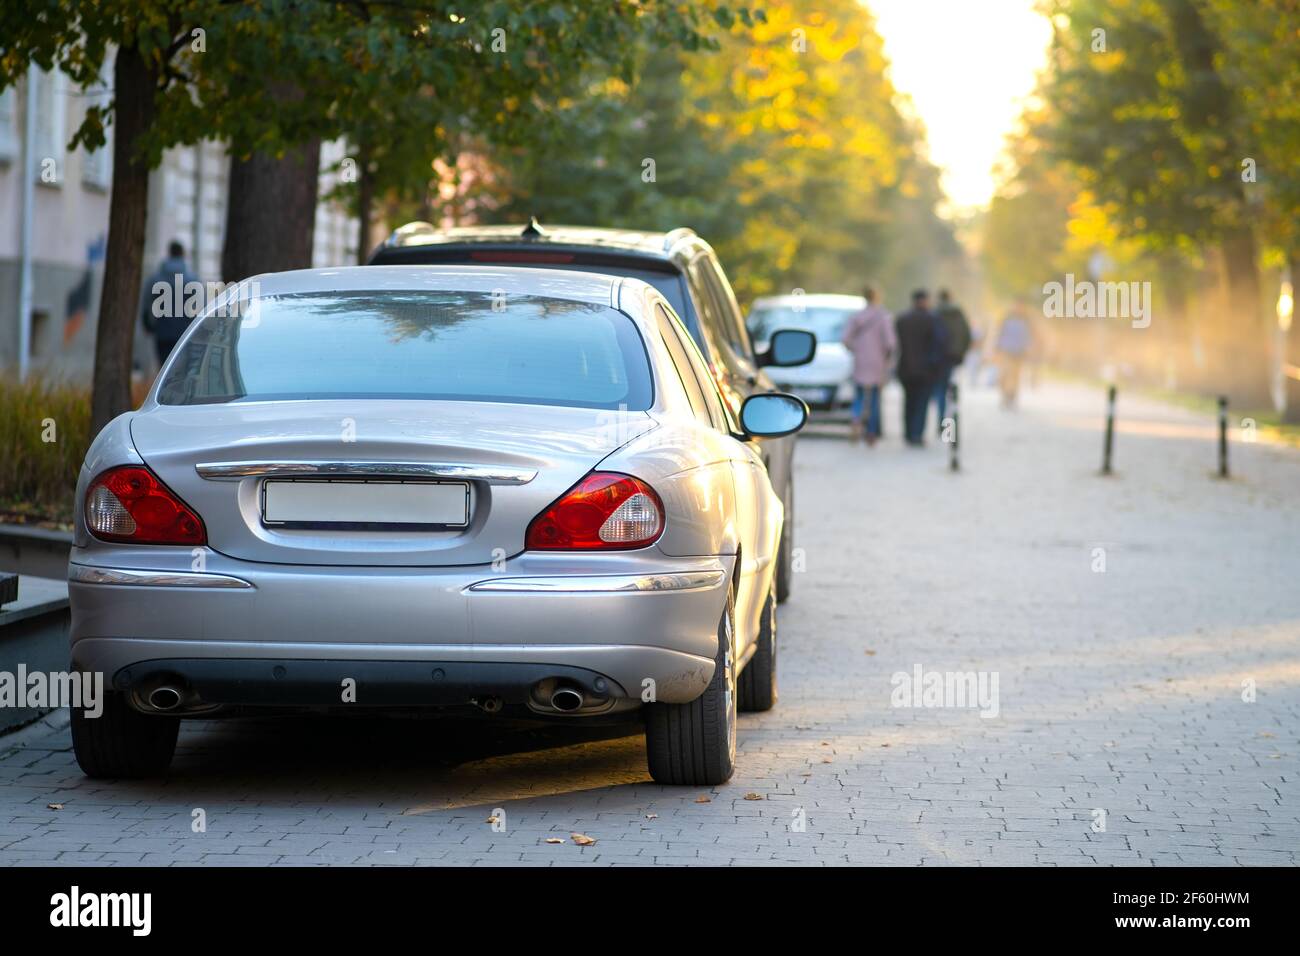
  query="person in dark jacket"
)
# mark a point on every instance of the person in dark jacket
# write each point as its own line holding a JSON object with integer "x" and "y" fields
{"x": 922, "y": 354}
{"x": 172, "y": 297}
{"x": 957, "y": 331}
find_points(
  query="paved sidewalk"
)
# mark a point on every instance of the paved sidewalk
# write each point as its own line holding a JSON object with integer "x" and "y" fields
{"x": 1120, "y": 691}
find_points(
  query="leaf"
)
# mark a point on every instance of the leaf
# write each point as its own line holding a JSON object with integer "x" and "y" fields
{"x": 703, "y": 799}
{"x": 755, "y": 796}
{"x": 54, "y": 806}
{"x": 555, "y": 839}
{"x": 582, "y": 839}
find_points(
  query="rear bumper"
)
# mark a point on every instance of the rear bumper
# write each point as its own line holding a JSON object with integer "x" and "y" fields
{"x": 206, "y": 684}
{"x": 625, "y": 619}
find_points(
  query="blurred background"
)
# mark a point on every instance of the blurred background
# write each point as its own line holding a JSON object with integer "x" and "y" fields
{"x": 990, "y": 148}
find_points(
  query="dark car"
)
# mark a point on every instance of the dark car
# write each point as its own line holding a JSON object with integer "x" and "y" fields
{"x": 685, "y": 270}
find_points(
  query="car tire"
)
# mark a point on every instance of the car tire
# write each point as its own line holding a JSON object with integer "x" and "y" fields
{"x": 785, "y": 550}
{"x": 694, "y": 744}
{"x": 756, "y": 687}
{"x": 121, "y": 742}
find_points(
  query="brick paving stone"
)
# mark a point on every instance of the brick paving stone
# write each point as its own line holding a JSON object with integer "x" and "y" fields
{"x": 1119, "y": 691}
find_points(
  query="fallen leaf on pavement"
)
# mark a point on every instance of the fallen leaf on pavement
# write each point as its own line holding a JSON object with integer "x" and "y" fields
{"x": 582, "y": 839}
{"x": 754, "y": 796}
{"x": 54, "y": 806}
{"x": 703, "y": 799}
{"x": 555, "y": 839}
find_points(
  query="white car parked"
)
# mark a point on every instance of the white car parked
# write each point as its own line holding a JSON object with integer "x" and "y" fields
{"x": 825, "y": 383}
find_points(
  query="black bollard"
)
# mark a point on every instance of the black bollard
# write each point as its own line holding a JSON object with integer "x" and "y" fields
{"x": 1110, "y": 430}
{"x": 1223, "y": 436}
{"x": 953, "y": 463}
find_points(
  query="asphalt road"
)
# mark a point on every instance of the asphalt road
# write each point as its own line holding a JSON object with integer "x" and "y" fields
{"x": 1142, "y": 634}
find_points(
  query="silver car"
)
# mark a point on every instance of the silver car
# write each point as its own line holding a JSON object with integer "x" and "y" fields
{"x": 394, "y": 487}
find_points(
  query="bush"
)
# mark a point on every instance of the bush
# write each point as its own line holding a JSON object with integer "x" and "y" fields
{"x": 44, "y": 433}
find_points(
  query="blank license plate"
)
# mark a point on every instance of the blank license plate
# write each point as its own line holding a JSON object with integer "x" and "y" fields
{"x": 366, "y": 504}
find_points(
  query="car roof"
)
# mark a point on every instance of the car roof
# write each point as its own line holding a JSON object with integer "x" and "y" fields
{"x": 591, "y": 287}
{"x": 822, "y": 300}
{"x": 653, "y": 245}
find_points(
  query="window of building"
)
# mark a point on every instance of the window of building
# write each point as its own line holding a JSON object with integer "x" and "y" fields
{"x": 97, "y": 166}
{"x": 8, "y": 125}
{"x": 51, "y": 132}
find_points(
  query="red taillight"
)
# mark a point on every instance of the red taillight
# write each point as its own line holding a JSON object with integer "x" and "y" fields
{"x": 129, "y": 504}
{"x": 603, "y": 511}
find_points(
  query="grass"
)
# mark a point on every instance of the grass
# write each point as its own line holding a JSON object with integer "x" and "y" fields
{"x": 44, "y": 433}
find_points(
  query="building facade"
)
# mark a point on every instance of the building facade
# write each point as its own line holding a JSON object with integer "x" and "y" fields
{"x": 68, "y": 229}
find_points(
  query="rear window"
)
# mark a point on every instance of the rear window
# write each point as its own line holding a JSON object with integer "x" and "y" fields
{"x": 826, "y": 323}
{"x": 453, "y": 346}
{"x": 667, "y": 280}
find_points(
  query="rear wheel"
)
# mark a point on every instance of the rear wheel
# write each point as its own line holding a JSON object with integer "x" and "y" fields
{"x": 785, "y": 550}
{"x": 756, "y": 688}
{"x": 122, "y": 742}
{"x": 694, "y": 744}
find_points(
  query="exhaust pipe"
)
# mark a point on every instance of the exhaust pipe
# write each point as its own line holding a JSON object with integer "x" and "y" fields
{"x": 164, "y": 698}
{"x": 567, "y": 699}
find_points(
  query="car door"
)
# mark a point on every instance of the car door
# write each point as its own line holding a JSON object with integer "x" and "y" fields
{"x": 736, "y": 368}
{"x": 757, "y": 508}
{"x": 734, "y": 379}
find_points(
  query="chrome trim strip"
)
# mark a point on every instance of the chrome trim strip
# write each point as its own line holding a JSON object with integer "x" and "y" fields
{"x": 492, "y": 474}
{"x": 603, "y": 583}
{"x": 84, "y": 574}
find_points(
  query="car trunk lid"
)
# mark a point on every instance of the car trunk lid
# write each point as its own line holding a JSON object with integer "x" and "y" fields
{"x": 370, "y": 461}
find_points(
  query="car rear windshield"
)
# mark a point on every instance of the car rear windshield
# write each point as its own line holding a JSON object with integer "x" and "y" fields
{"x": 455, "y": 346}
{"x": 826, "y": 323}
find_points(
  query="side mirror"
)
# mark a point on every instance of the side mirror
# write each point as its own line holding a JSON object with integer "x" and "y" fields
{"x": 772, "y": 414}
{"x": 789, "y": 347}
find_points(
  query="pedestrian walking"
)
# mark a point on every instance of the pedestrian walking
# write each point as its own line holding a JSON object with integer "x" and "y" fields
{"x": 167, "y": 305}
{"x": 869, "y": 337}
{"x": 1014, "y": 340}
{"x": 958, "y": 335}
{"x": 922, "y": 353}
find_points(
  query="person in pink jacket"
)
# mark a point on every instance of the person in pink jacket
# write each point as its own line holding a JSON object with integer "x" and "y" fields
{"x": 870, "y": 339}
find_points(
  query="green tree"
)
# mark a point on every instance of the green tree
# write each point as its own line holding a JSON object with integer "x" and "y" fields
{"x": 270, "y": 76}
{"x": 1154, "y": 127}
{"x": 785, "y": 149}
{"x": 1261, "y": 47}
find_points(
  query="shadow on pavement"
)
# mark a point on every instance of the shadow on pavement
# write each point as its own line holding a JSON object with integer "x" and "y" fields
{"x": 436, "y": 764}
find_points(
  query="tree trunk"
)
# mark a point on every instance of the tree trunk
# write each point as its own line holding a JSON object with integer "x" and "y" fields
{"x": 271, "y": 212}
{"x": 135, "y": 88}
{"x": 365, "y": 205}
{"x": 1175, "y": 370}
{"x": 1291, "y": 354}
{"x": 1247, "y": 374}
